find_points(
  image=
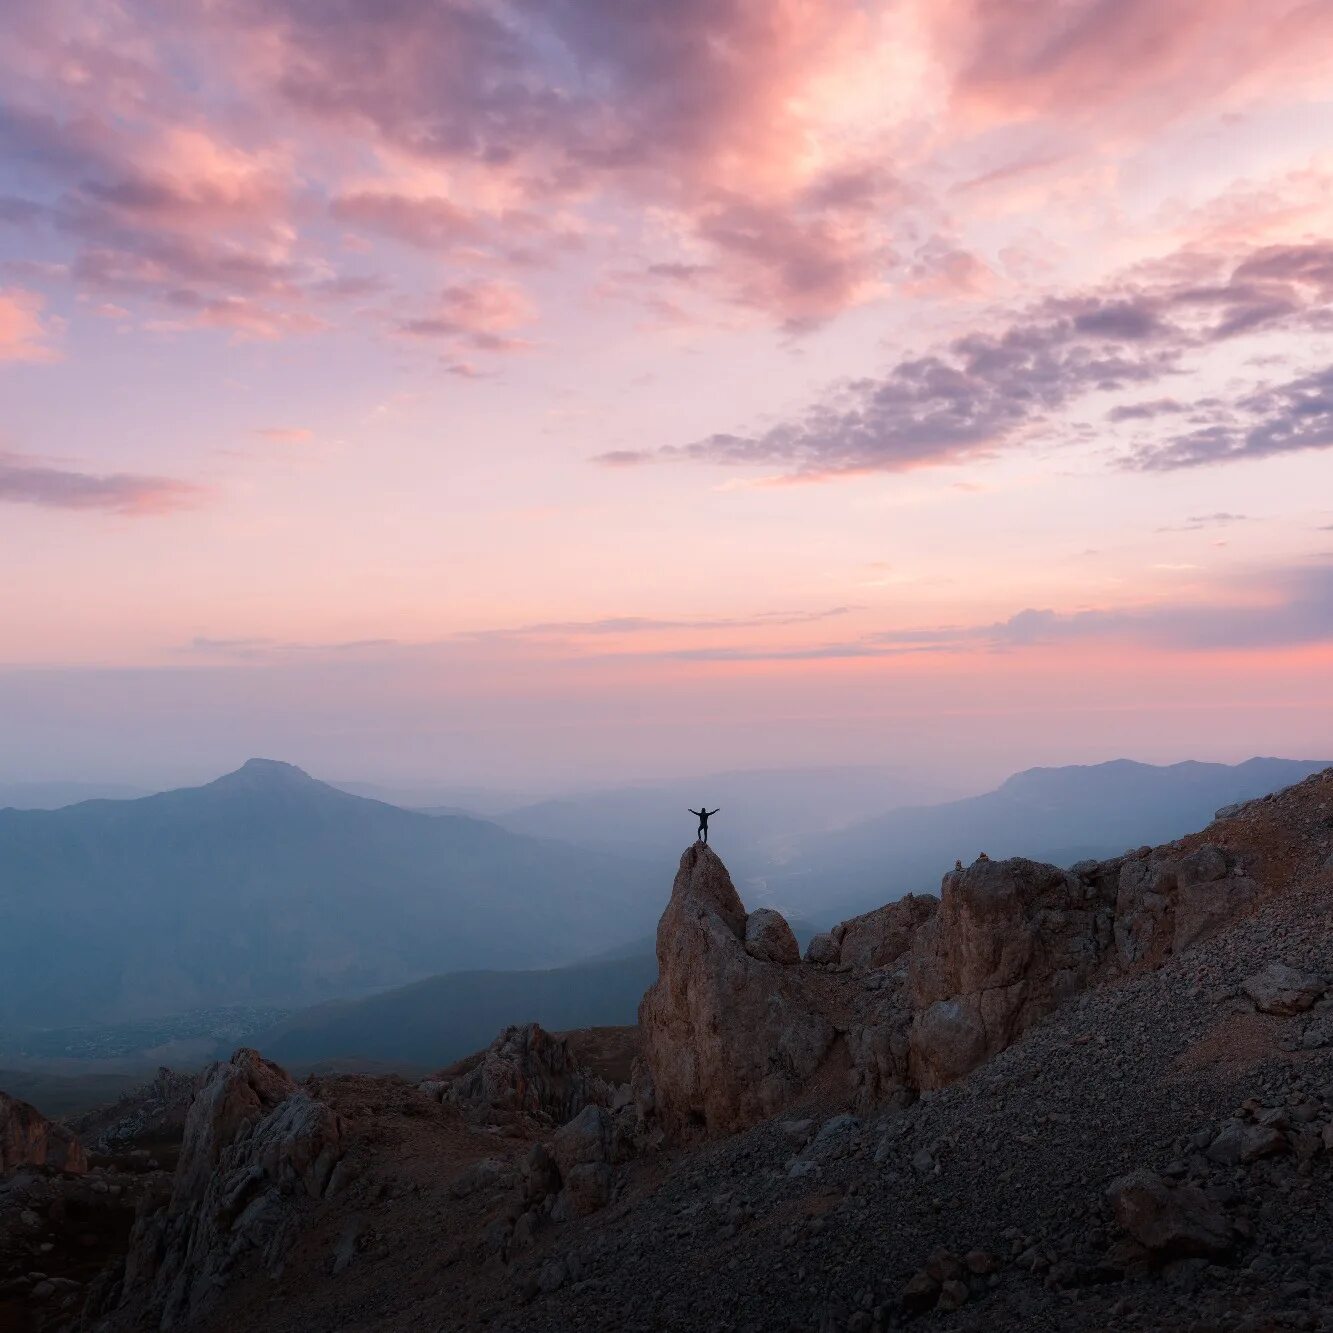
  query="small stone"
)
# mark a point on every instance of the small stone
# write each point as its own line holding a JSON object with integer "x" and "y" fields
{"x": 953, "y": 1295}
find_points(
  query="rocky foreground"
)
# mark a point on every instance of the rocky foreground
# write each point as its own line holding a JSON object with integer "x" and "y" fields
{"x": 1096, "y": 1098}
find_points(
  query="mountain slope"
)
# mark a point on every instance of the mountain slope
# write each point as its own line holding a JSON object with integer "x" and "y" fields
{"x": 434, "y": 1022}
{"x": 1048, "y": 814}
{"x": 267, "y": 885}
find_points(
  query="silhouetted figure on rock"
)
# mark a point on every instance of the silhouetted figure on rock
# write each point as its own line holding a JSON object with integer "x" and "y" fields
{"x": 703, "y": 812}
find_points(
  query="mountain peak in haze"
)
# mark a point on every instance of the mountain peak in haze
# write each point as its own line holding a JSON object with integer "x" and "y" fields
{"x": 268, "y": 775}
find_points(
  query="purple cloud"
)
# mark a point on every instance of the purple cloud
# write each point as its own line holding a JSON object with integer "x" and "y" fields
{"x": 1280, "y": 419}
{"x": 25, "y": 480}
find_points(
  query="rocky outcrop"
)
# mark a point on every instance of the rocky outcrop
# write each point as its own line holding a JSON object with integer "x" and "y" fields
{"x": 153, "y": 1113}
{"x": 1009, "y": 942}
{"x": 728, "y": 1037}
{"x": 256, "y": 1149}
{"x": 28, "y": 1138}
{"x": 769, "y": 938}
{"x": 918, "y": 993}
{"x": 882, "y": 937}
{"x": 525, "y": 1075}
{"x": 1167, "y": 902}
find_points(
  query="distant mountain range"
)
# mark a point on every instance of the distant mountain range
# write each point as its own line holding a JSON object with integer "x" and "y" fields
{"x": 437, "y": 1021}
{"x": 765, "y": 814}
{"x": 1050, "y": 814}
{"x": 54, "y": 795}
{"x": 267, "y": 886}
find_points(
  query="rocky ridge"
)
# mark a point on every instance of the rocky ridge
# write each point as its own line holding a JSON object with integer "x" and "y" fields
{"x": 914, "y": 995}
{"x": 1099, "y": 1098}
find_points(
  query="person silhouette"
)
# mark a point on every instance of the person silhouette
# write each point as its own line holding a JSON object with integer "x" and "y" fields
{"x": 703, "y": 812}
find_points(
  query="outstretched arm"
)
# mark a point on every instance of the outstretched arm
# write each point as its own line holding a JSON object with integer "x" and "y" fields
{"x": 712, "y": 812}
{"x": 700, "y": 813}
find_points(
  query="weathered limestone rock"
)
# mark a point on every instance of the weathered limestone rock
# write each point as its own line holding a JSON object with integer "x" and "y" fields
{"x": 525, "y": 1073}
{"x": 883, "y": 936}
{"x": 1208, "y": 895}
{"x": 728, "y": 1037}
{"x": 769, "y": 937}
{"x": 1010, "y": 941}
{"x": 1169, "y": 1220}
{"x": 823, "y": 949}
{"x": 1280, "y": 989}
{"x": 156, "y": 1111}
{"x": 28, "y": 1138}
{"x": 255, "y": 1145}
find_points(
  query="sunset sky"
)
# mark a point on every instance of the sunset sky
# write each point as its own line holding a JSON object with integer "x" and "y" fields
{"x": 562, "y": 389}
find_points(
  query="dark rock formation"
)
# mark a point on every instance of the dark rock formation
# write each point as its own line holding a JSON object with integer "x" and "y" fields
{"x": 525, "y": 1074}
{"x": 256, "y": 1148}
{"x": 729, "y": 1037}
{"x": 28, "y": 1138}
{"x": 1010, "y": 941}
{"x": 155, "y": 1113}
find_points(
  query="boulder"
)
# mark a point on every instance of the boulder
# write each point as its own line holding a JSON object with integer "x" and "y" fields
{"x": 28, "y": 1138}
{"x": 1280, "y": 989}
{"x": 524, "y": 1074}
{"x": 727, "y": 1037}
{"x": 769, "y": 937}
{"x": 823, "y": 949}
{"x": 588, "y": 1187}
{"x": 589, "y": 1137}
{"x": 1009, "y": 942}
{"x": 1169, "y": 1220}
{"x": 1239, "y": 1142}
{"x": 882, "y": 937}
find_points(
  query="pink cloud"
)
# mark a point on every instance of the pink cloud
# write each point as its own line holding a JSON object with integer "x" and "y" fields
{"x": 286, "y": 434}
{"x": 430, "y": 222}
{"x": 23, "y": 334}
{"x": 1135, "y": 61}
{"x": 480, "y": 314}
{"x": 28, "y": 480}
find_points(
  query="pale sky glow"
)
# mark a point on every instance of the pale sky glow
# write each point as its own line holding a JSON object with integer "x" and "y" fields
{"x": 588, "y": 388}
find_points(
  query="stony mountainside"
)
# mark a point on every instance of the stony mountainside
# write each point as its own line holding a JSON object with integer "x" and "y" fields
{"x": 1091, "y": 1099}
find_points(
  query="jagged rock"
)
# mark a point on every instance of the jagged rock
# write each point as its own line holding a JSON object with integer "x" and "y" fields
{"x": 769, "y": 937}
{"x": 1280, "y": 989}
{"x": 1239, "y": 1142}
{"x": 1207, "y": 895}
{"x": 155, "y": 1111}
{"x": 883, "y": 936}
{"x": 1169, "y": 1219}
{"x": 584, "y": 1152}
{"x": 28, "y": 1138}
{"x": 1142, "y": 911}
{"x": 729, "y": 1038}
{"x": 1010, "y": 940}
{"x": 586, "y": 1138}
{"x": 525, "y": 1073}
{"x": 487, "y": 1174}
{"x": 255, "y": 1144}
{"x": 823, "y": 949}
{"x": 587, "y": 1188}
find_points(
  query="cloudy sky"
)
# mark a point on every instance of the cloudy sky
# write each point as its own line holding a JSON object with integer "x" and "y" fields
{"x": 563, "y": 388}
